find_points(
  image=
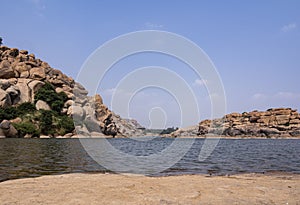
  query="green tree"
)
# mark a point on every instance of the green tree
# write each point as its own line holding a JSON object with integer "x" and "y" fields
{"x": 48, "y": 94}
{"x": 1, "y": 41}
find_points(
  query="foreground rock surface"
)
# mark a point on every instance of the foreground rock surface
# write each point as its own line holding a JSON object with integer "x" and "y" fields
{"x": 120, "y": 189}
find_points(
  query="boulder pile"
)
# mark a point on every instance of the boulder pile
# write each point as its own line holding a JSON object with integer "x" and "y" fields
{"x": 275, "y": 122}
{"x": 22, "y": 75}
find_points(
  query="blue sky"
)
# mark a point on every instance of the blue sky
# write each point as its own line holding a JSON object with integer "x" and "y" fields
{"x": 254, "y": 45}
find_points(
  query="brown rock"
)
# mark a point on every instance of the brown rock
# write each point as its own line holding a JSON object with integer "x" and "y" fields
{"x": 5, "y": 100}
{"x": 264, "y": 120}
{"x": 98, "y": 99}
{"x": 282, "y": 119}
{"x": 34, "y": 86}
{"x": 282, "y": 112}
{"x": 4, "y": 84}
{"x": 24, "y": 74}
{"x": 25, "y": 91}
{"x": 8, "y": 129}
{"x": 41, "y": 105}
{"x": 76, "y": 112}
{"x": 12, "y": 52}
{"x": 17, "y": 120}
{"x": 14, "y": 94}
{"x": 21, "y": 67}
{"x": 5, "y": 70}
{"x": 37, "y": 73}
{"x": 23, "y": 52}
{"x": 31, "y": 57}
{"x": 295, "y": 121}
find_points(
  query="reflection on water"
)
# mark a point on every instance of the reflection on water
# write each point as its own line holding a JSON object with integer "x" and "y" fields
{"x": 35, "y": 157}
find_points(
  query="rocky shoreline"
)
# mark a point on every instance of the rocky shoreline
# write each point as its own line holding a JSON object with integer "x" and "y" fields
{"x": 273, "y": 123}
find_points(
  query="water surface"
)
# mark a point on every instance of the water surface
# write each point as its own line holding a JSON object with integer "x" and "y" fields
{"x": 21, "y": 158}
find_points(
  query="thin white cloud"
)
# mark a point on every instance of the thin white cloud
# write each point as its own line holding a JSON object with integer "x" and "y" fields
{"x": 39, "y": 6}
{"x": 150, "y": 25}
{"x": 199, "y": 82}
{"x": 258, "y": 96}
{"x": 276, "y": 96}
{"x": 289, "y": 27}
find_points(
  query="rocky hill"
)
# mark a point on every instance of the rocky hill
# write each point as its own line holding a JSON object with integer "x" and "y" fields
{"x": 33, "y": 95}
{"x": 275, "y": 122}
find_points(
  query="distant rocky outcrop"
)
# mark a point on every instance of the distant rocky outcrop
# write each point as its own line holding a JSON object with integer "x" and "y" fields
{"x": 21, "y": 77}
{"x": 275, "y": 122}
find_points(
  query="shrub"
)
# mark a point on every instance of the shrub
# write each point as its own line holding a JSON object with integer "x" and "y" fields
{"x": 52, "y": 123}
{"x": 8, "y": 113}
{"x": 45, "y": 120}
{"x": 25, "y": 108}
{"x": 65, "y": 125}
{"x": 24, "y": 128}
{"x": 48, "y": 94}
{"x": 169, "y": 130}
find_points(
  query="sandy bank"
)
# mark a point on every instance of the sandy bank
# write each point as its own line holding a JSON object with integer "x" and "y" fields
{"x": 121, "y": 189}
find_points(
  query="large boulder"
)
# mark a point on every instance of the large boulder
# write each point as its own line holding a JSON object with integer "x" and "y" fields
{"x": 77, "y": 112}
{"x": 25, "y": 91}
{"x": 8, "y": 129}
{"x": 5, "y": 100}
{"x": 34, "y": 86}
{"x": 5, "y": 70}
{"x": 4, "y": 84}
{"x": 13, "y": 93}
{"x": 37, "y": 73}
{"x": 41, "y": 105}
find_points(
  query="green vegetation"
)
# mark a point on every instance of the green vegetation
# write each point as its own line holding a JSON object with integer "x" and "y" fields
{"x": 36, "y": 122}
{"x": 1, "y": 41}
{"x": 48, "y": 94}
{"x": 27, "y": 128}
{"x": 51, "y": 123}
{"x": 14, "y": 112}
{"x": 169, "y": 130}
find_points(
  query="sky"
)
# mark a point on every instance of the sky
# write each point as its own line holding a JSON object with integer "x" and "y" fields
{"x": 254, "y": 45}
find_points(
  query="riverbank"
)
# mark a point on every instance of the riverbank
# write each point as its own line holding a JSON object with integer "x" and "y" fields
{"x": 276, "y": 188}
{"x": 101, "y": 136}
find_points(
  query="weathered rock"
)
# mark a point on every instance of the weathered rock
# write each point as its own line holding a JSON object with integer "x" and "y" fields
{"x": 98, "y": 99}
{"x": 4, "y": 84}
{"x": 17, "y": 120}
{"x": 203, "y": 130}
{"x": 37, "y": 73}
{"x": 25, "y": 91}
{"x": 34, "y": 86}
{"x": 92, "y": 125}
{"x": 5, "y": 70}
{"x": 69, "y": 103}
{"x": 21, "y": 67}
{"x": 13, "y": 93}
{"x": 23, "y": 52}
{"x": 5, "y": 100}
{"x": 24, "y": 74}
{"x": 28, "y": 136}
{"x": 76, "y": 112}
{"x": 8, "y": 129}
{"x": 41, "y": 105}
{"x": 275, "y": 122}
{"x": 282, "y": 119}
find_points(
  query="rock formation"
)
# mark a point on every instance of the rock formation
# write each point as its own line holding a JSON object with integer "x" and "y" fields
{"x": 275, "y": 122}
{"x": 22, "y": 75}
